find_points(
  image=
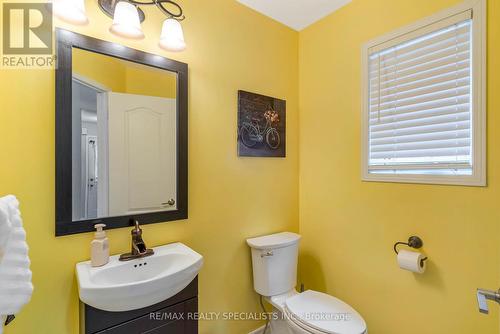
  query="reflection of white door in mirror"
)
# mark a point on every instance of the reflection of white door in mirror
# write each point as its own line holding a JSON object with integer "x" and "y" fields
{"x": 142, "y": 154}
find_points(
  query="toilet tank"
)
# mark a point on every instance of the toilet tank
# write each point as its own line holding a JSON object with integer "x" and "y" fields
{"x": 274, "y": 262}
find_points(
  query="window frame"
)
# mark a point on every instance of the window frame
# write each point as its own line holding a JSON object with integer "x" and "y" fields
{"x": 478, "y": 177}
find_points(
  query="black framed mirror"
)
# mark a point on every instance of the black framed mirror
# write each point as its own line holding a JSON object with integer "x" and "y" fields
{"x": 121, "y": 135}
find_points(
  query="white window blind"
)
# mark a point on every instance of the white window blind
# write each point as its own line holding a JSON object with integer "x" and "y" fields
{"x": 420, "y": 101}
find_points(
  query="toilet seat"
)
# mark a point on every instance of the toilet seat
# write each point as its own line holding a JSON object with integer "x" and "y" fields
{"x": 319, "y": 313}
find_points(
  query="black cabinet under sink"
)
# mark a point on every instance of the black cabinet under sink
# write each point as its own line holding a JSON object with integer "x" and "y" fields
{"x": 176, "y": 315}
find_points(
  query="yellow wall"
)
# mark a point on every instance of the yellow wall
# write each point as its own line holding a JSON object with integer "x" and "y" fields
{"x": 122, "y": 76}
{"x": 107, "y": 71}
{"x": 229, "y": 47}
{"x": 142, "y": 80}
{"x": 349, "y": 226}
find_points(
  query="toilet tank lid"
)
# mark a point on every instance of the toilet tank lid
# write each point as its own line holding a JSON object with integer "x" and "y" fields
{"x": 273, "y": 241}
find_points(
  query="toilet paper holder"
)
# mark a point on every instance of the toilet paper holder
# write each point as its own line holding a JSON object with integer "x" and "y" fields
{"x": 413, "y": 242}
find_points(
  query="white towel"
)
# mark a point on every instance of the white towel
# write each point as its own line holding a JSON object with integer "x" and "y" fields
{"x": 15, "y": 274}
{"x": 4, "y": 231}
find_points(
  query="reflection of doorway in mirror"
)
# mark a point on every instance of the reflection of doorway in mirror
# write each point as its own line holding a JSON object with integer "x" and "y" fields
{"x": 85, "y": 156}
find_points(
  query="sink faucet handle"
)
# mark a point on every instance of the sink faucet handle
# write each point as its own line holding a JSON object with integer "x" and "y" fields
{"x": 482, "y": 303}
{"x": 483, "y": 296}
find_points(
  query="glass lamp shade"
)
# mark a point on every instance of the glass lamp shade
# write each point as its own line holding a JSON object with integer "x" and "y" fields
{"x": 71, "y": 11}
{"x": 172, "y": 36}
{"x": 126, "y": 22}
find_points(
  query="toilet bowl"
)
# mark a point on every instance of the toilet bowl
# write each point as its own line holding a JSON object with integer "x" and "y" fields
{"x": 319, "y": 313}
{"x": 274, "y": 262}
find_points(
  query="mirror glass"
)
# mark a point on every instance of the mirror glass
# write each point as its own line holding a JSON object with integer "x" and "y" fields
{"x": 123, "y": 137}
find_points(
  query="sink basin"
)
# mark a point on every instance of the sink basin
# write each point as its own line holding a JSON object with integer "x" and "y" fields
{"x": 124, "y": 286}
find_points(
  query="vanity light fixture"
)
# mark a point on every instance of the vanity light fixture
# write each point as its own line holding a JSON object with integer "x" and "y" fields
{"x": 126, "y": 21}
{"x": 127, "y": 18}
{"x": 172, "y": 36}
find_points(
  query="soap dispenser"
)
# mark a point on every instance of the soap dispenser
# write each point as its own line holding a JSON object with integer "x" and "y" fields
{"x": 99, "y": 247}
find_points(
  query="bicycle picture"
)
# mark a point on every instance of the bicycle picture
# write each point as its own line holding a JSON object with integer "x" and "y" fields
{"x": 261, "y": 130}
{"x": 252, "y": 132}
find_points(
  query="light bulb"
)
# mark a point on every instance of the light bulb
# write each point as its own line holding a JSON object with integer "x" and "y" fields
{"x": 126, "y": 22}
{"x": 72, "y": 11}
{"x": 172, "y": 36}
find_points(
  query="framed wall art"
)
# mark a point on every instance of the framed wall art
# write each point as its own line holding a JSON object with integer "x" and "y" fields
{"x": 261, "y": 126}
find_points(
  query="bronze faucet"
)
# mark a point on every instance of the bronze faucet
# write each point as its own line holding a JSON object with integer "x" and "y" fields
{"x": 139, "y": 248}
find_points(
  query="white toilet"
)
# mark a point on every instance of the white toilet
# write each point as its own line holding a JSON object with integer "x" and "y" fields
{"x": 274, "y": 259}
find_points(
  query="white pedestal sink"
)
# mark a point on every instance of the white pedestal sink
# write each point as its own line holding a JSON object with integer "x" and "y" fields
{"x": 124, "y": 286}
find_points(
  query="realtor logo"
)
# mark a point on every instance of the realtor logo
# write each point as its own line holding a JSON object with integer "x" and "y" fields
{"x": 27, "y": 28}
{"x": 27, "y": 35}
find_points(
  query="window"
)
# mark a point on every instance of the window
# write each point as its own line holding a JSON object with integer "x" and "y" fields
{"x": 424, "y": 93}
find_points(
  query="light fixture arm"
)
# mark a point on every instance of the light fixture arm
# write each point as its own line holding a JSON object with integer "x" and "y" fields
{"x": 107, "y": 7}
{"x": 180, "y": 14}
{"x": 160, "y": 4}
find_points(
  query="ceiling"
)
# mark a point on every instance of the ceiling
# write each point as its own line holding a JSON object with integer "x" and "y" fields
{"x": 297, "y": 14}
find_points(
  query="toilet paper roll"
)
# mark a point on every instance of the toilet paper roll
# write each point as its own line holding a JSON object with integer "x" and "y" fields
{"x": 411, "y": 261}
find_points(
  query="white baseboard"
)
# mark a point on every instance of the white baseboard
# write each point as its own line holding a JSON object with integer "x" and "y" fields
{"x": 259, "y": 330}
